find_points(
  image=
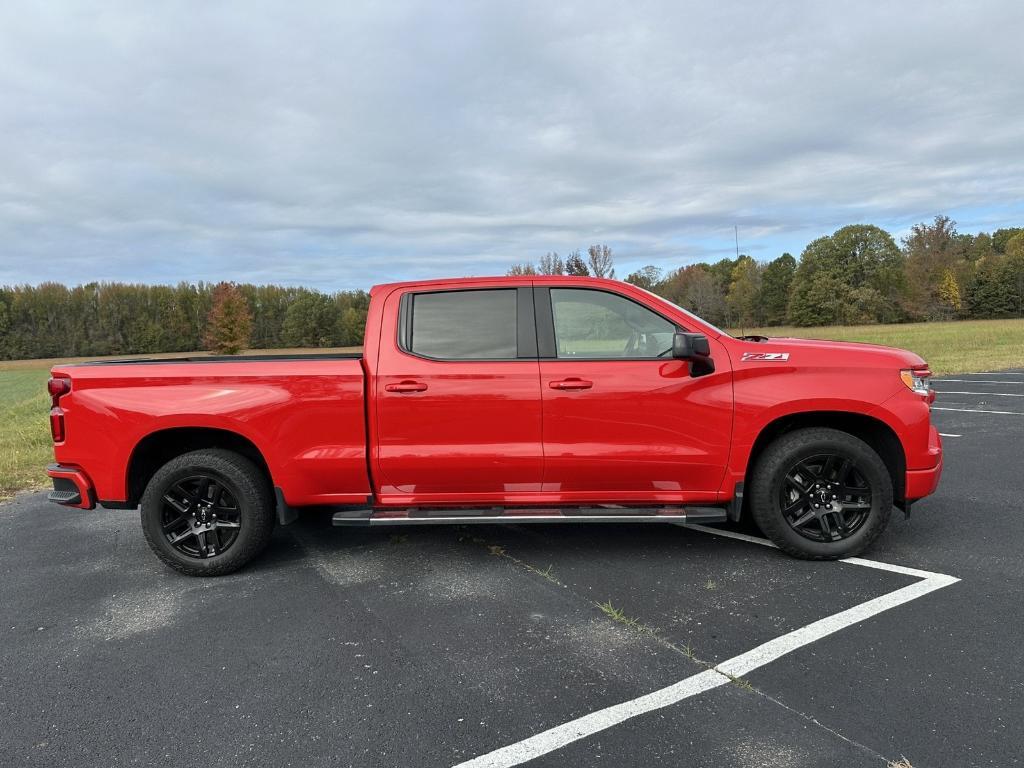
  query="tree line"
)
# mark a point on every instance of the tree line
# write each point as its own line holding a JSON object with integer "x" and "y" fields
{"x": 53, "y": 320}
{"x": 856, "y": 275}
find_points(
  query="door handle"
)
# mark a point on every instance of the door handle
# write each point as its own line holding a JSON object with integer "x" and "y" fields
{"x": 406, "y": 386}
{"x": 571, "y": 384}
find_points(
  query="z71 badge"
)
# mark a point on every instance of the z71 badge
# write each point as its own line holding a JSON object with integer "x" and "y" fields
{"x": 764, "y": 356}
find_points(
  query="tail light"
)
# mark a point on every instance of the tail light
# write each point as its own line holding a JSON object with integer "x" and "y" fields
{"x": 57, "y": 387}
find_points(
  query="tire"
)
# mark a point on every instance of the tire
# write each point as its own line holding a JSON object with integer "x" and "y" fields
{"x": 799, "y": 460}
{"x": 179, "y": 512}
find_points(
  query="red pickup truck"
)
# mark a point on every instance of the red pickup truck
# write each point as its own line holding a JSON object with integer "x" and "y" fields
{"x": 511, "y": 400}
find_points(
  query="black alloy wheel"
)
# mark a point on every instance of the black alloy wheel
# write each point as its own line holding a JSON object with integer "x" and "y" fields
{"x": 825, "y": 497}
{"x": 200, "y": 516}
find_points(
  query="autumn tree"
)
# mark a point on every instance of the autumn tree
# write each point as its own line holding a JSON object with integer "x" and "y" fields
{"x": 551, "y": 264}
{"x": 948, "y": 292}
{"x": 518, "y": 270}
{"x": 599, "y": 260}
{"x": 646, "y": 277}
{"x": 575, "y": 265}
{"x": 744, "y": 288}
{"x": 229, "y": 324}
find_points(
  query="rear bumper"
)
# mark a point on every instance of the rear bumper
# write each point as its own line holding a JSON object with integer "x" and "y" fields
{"x": 71, "y": 487}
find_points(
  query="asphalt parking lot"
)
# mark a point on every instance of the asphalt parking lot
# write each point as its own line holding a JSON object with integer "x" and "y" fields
{"x": 438, "y": 646}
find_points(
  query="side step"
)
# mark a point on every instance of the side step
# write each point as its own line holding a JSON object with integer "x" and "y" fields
{"x": 492, "y": 515}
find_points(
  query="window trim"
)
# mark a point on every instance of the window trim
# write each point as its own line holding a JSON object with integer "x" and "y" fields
{"x": 547, "y": 344}
{"x": 526, "y": 333}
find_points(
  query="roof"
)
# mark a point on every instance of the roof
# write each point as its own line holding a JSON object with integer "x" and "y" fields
{"x": 517, "y": 279}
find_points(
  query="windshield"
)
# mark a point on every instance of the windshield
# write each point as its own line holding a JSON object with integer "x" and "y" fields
{"x": 686, "y": 312}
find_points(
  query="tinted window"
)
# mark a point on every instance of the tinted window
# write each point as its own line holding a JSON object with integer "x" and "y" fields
{"x": 598, "y": 324}
{"x": 464, "y": 325}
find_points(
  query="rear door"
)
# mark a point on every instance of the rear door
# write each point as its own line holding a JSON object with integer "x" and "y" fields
{"x": 457, "y": 396}
{"x": 623, "y": 420}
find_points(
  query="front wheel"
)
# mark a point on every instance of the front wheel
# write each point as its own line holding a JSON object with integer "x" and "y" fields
{"x": 821, "y": 494}
{"x": 208, "y": 512}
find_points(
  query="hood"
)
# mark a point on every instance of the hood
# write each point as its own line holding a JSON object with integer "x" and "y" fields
{"x": 823, "y": 352}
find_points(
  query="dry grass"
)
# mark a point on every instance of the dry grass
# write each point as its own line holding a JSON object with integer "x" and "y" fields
{"x": 954, "y": 347}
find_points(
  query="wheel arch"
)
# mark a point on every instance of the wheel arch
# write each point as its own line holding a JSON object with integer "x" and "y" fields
{"x": 875, "y": 432}
{"x": 157, "y": 448}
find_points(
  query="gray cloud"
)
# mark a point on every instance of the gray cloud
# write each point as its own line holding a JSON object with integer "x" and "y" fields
{"x": 340, "y": 144}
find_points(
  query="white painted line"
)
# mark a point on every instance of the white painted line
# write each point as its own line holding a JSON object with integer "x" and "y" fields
{"x": 946, "y": 434}
{"x": 574, "y": 730}
{"x": 986, "y": 382}
{"x": 990, "y": 394}
{"x": 978, "y": 410}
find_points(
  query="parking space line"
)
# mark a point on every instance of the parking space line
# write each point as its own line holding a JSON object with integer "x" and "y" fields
{"x": 947, "y": 434}
{"x": 977, "y": 381}
{"x": 587, "y": 725}
{"x": 989, "y": 394}
{"x": 978, "y": 410}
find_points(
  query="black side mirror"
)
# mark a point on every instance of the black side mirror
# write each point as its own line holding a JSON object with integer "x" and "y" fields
{"x": 695, "y": 348}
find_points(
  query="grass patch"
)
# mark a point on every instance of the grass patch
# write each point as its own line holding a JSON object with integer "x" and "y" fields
{"x": 25, "y": 445}
{"x": 955, "y": 347}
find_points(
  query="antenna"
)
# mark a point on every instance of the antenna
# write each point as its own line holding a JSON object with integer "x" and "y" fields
{"x": 736, "y": 231}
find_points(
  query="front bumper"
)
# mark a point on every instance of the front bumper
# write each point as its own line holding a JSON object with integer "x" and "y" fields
{"x": 71, "y": 487}
{"x": 923, "y": 482}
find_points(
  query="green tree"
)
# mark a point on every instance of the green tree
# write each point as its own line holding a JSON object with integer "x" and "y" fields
{"x": 311, "y": 321}
{"x": 744, "y": 288}
{"x": 853, "y": 257}
{"x": 229, "y": 324}
{"x": 776, "y": 281}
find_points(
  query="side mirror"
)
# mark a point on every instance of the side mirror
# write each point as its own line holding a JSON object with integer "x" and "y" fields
{"x": 695, "y": 348}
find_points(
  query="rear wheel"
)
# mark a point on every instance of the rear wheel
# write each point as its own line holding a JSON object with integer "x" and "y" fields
{"x": 207, "y": 513}
{"x": 821, "y": 494}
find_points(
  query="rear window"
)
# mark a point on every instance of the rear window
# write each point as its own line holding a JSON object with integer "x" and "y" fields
{"x": 464, "y": 325}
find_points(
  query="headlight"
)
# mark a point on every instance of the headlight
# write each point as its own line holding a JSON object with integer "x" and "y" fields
{"x": 918, "y": 379}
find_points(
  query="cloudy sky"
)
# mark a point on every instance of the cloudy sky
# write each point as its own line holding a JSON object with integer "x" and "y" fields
{"x": 338, "y": 144}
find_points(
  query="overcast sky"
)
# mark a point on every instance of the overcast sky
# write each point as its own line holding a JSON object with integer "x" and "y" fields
{"x": 338, "y": 144}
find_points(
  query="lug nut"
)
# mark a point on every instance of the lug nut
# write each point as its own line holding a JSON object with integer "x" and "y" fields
{"x": 817, "y": 506}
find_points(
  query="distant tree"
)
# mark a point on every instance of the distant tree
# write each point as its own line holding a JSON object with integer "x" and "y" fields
{"x": 1001, "y": 237}
{"x": 517, "y": 270}
{"x": 705, "y": 297}
{"x": 551, "y": 264}
{"x": 832, "y": 267}
{"x": 575, "y": 265}
{"x": 776, "y": 281}
{"x": 949, "y": 293}
{"x": 646, "y": 277}
{"x": 599, "y": 259}
{"x": 744, "y": 289}
{"x": 931, "y": 251}
{"x": 229, "y": 324}
{"x": 311, "y": 321}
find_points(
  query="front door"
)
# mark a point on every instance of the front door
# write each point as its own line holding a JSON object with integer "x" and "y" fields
{"x": 458, "y": 403}
{"x": 623, "y": 420}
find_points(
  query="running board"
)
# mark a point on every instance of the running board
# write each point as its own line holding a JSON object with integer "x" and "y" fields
{"x": 493, "y": 515}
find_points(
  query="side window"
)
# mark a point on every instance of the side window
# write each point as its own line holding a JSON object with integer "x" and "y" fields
{"x": 464, "y": 325}
{"x": 599, "y": 324}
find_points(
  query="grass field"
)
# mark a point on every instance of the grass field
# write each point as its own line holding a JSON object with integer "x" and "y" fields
{"x": 954, "y": 347}
{"x": 974, "y": 345}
